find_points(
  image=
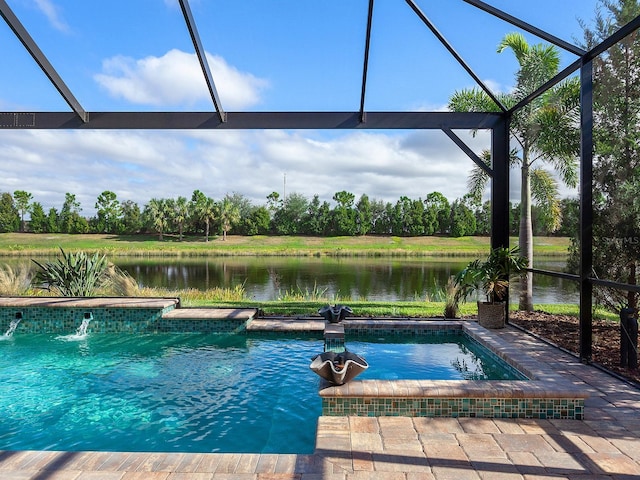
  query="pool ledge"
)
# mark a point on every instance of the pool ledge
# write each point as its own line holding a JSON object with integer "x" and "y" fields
{"x": 546, "y": 395}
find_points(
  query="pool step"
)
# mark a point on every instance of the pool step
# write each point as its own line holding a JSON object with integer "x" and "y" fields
{"x": 211, "y": 313}
{"x": 292, "y": 324}
{"x": 206, "y": 320}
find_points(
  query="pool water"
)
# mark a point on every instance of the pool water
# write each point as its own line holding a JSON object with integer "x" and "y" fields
{"x": 151, "y": 393}
{"x": 192, "y": 392}
{"x": 432, "y": 357}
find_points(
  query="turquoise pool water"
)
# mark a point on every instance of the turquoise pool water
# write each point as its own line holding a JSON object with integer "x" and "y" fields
{"x": 433, "y": 357}
{"x": 145, "y": 393}
{"x": 189, "y": 392}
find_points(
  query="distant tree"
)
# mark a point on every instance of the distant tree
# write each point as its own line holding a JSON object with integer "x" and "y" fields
{"x": 483, "y": 219}
{"x": 229, "y": 213}
{"x": 437, "y": 211}
{"x": 570, "y": 208}
{"x": 180, "y": 214}
{"x": 204, "y": 209}
{"x": 287, "y": 220}
{"x": 380, "y": 219}
{"x": 402, "y": 218}
{"x": 344, "y": 215}
{"x": 315, "y": 221}
{"x": 38, "y": 223}
{"x": 69, "y": 218}
{"x": 9, "y": 216}
{"x": 258, "y": 222}
{"x": 274, "y": 202}
{"x": 109, "y": 212}
{"x": 463, "y": 221}
{"x": 157, "y": 216}
{"x": 131, "y": 217}
{"x": 23, "y": 202}
{"x": 245, "y": 208}
{"x": 416, "y": 216}
{"x": 364, "y": 215}
{"x": 53, "y": 221}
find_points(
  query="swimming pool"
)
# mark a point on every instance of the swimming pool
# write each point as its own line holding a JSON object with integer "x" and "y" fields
{"x": 163, "y": 392}
{"x": 187, "y": 392}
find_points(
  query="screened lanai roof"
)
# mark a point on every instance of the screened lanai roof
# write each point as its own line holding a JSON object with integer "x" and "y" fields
{"x": 237, "y": 65}
{"x": 292, "y": 56}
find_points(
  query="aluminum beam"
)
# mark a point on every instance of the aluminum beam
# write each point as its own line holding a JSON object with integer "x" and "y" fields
{"x": 616, "y": 37}
{"x": 455, "y": 54}
{"x": 250, "y": 120}
{"x": 470, "y": 153}
{"x": 202, "y": 57}
{"x": 586, "y": 211}
{"x": 500, "y": 187}
{"x": 365, "y": 67}
{"x": 500, "y": 184}
{"x": 527, "y": 27}
{"x": 41, "y": 59}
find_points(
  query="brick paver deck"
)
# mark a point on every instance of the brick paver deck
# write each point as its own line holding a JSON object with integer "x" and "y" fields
{"x": 604, "y": 446}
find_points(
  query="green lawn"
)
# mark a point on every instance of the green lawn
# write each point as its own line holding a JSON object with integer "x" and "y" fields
{"x": 146, "y": 245}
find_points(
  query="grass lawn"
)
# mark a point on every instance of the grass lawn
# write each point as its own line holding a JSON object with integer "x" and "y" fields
{"x": 27, "y": 244}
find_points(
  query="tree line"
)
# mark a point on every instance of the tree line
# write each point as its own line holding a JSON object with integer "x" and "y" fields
{"x": 294, "y": 214}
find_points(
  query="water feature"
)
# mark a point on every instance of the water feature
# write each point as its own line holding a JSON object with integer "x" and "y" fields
{"x": 81, "y": 331}
{"x": 13, "y": 325}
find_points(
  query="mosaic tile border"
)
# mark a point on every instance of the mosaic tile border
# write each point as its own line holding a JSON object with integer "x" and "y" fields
{"x": 62, "y": 320}
{"x": 532, "y": 408}
{"x": 67, "y": 320}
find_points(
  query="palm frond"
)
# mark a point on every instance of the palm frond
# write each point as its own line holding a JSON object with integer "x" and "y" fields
{"x": 478, "y": 178}
{"x": 544, "y": 190}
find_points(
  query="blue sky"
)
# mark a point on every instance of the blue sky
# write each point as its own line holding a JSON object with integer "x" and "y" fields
{"x": 277, "y": 55}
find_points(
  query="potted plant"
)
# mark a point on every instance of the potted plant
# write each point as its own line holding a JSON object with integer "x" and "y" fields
{"x": 492, "y": 277}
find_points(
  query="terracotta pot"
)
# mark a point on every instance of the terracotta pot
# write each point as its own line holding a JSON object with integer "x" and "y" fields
{"x": 491, "y": 315}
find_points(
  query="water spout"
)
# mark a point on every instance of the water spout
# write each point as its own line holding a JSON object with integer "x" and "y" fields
{"x": 13, "y": 325}
{"x": 81, "y": 331}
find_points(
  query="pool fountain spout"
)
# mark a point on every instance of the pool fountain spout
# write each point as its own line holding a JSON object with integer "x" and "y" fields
{"x": 335, "y": 314}
{"x": 82, "y": 329}
{"x": 338, "y": 368}
{"x": 13, "y": 325}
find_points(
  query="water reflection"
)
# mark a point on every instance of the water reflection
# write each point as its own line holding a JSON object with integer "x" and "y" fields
{"x": 383, "y": 279}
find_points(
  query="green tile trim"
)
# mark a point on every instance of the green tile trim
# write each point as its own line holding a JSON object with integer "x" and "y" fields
{"x": 534, "y": 408}
{"x": 62, "y": 320}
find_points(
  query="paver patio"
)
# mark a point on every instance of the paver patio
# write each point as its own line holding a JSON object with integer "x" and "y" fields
{"x": 606, "y": 445}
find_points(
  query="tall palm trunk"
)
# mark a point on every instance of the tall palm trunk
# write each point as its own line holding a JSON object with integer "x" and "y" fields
{"x": 526, "y": 235}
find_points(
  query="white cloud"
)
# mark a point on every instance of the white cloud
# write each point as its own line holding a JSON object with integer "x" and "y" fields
{"x": 176, "y": 78}
{"x": 140, "y": 165}
{"x": 52, "y": 12}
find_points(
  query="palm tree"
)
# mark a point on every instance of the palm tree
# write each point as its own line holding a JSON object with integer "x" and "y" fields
{"x": 181, "y": 213}
{"x": 229, "y": 216}
{"x": 545, "y": 131}
{"x": 158, "y": 215}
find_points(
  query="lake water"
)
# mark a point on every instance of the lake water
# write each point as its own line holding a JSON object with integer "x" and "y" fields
{"x": 375, "y": 279}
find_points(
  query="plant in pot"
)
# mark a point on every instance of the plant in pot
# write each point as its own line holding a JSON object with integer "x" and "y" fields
{"x": 491, "y": 276}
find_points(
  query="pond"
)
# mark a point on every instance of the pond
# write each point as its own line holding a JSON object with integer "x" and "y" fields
{"x": 357, "y": 278}
{"x": 374, "y": 279}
